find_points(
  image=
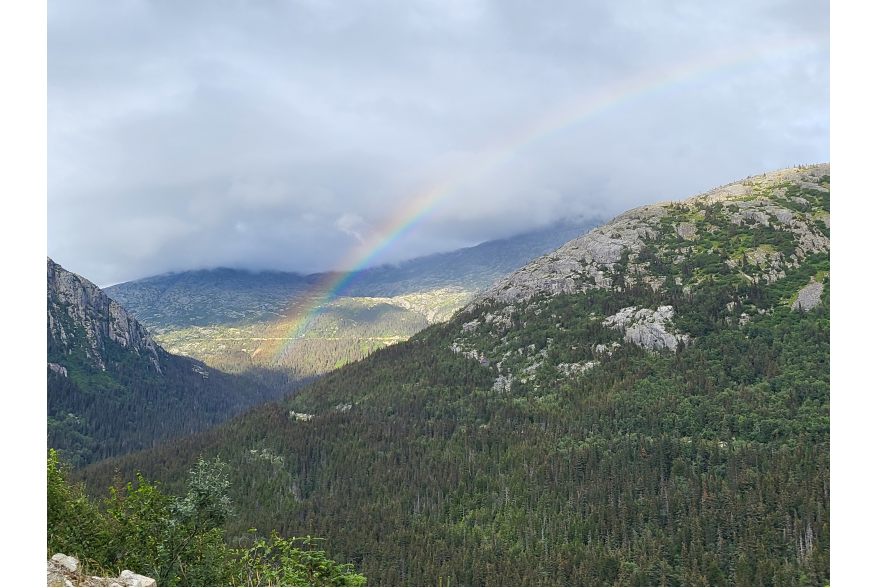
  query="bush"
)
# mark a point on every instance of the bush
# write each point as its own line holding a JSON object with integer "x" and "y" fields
{"x": 280, "y": 562}
{"x": 177, "y": 541}
{"x": 74, "y": 523}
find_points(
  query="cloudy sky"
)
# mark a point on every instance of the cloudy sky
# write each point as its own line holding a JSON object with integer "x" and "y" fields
{"x": 305, "y": 135}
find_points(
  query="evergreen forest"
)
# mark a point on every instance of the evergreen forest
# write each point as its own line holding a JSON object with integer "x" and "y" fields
{"x": 532, "y": 443}
{"x": 97, "y": 411}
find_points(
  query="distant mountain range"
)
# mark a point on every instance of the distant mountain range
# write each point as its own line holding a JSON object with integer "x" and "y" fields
{"x": 224, "y": 316}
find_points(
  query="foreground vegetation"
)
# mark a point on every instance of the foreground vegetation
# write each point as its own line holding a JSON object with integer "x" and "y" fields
{"x": 178, "y": 541}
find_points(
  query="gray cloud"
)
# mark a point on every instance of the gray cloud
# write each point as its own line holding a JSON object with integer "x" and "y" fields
{"x": 280, "y": 134}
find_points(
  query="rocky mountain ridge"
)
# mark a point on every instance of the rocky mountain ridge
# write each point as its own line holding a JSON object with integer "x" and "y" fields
{"x": 111, "y": 388}
{"x": 589, "y": 261}
{"x": 101, "y": 318}
{"x": 772, "y": 228}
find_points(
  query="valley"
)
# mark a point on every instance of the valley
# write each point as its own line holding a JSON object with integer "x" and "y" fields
{"x": 292, "y": 327}
{"x": 647, "y": 403}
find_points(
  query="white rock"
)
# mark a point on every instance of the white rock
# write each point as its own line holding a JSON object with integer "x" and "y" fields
{"x": 686, "y": 231}
{"x": 812, "y": 186}
{"x": 646, "y": 328}
{"x": 756, "y": 215}
{"x": 503, "y": 383}
{"x": 470, "y": 326}
{"x": 58, "y": 368}
{"x": 131, "y": 579}
{"x": 784, "y": 216}
{"x": 809, "y": 296}
{"x": 68, "y": 562}
{"x": 571, "y": 368}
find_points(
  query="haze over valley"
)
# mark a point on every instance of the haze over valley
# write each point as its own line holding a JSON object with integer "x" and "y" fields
{"x": 240, "y": 321}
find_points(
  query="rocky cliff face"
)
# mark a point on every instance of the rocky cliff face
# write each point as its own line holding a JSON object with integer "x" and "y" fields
{"x": 75, "y": 302}
{"x": 111, "y": 389}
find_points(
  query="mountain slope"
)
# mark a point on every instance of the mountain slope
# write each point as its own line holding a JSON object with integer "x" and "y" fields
{"x": 649, "y": 405}
{"x": 224, "y": 316}
{"x": 111, "y": 389}
{"x": 471, "y": 269}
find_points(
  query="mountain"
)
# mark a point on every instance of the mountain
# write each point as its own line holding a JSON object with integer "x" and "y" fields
{"x": 471, "y": 269}
{"x": 647, "y": 405}
{"x": 230, "y": 319}
{"x": 112, "y": 389}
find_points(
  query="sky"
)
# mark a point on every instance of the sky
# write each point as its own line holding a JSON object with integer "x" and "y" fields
{"x": 315, "y": 135}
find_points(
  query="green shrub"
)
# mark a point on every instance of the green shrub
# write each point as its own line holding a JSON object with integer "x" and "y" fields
{"x": 280, "y": 562}
{"x": 75, "y": 524}
{"x": 177, "y": 541}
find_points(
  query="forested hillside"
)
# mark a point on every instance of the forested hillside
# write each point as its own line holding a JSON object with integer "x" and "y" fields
{"x": 232, "y": 319}
{"x": 112, "y": 390}
{"x": 648, "y": 405}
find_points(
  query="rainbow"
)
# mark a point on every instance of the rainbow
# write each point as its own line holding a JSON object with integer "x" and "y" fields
{"x": 396, "y": 228}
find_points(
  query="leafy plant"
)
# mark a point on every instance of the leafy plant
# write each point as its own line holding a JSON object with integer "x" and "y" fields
{"x": 178, "y": 541}
{"x": 279, "y": 562}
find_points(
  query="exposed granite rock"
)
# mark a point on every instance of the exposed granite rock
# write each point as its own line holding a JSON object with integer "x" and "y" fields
{"x": 589, "y": 261}
{"x": 783, "y": 215}
{"x": 68, "y": 562}
{"x": 100, "y": 317}
{"x": 646, "y": 328}
{"x": 606, "y": 348}
{"x": 811, "y": 186}
{"x": 58, "y": 368}
{"x": 557, "y": 273}
{"x": 809, "y": 296}
{"x": 503, "y": 383}
{"x": 809, "y": 240}
{"x": 575, "y": 368}
{"x": 131, "y": 579}
{"x": 686, "y": 231}
{"x": 63, "y": 571}
{"x": 470, "y": 326}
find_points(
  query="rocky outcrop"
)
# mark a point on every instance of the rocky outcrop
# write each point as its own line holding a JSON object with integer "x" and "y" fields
{"x": 589, "y": 261}
{"x": 587, "y": 256}
{"x": 647, "y": 328}
{"x": 809, "y": 296}
{"x": 751, "y": 233}
{"x": 102, "y": 319}
{"x": 568, "y": 369}
{"x": 64, "y": 571}
{"x": 58, "y": 369}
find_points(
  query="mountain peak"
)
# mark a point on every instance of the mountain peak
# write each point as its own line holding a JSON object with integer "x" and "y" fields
{"x": 777, "y": 201}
